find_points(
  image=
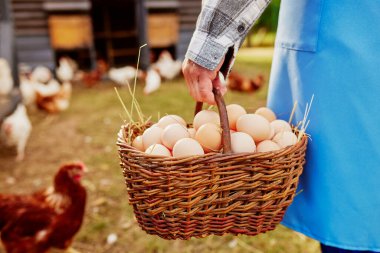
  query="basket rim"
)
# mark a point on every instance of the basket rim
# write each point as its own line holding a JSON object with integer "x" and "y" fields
{"x": 123, "y": 145}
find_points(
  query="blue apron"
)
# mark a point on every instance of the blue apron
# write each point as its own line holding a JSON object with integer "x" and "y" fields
{"x": 331, "y": 48}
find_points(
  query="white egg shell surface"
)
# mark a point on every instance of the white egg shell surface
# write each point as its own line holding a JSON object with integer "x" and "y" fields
{"x": 173, "y": 133}
{"x": 191, "y": 132}
{"x": 266, "y": 113}
{"x": 187, "y": 147}
{"x": 138, "y": 143}
{"x": 158, "y": 150}
{"x": 267, "y": 146}
{"x": 209, "y": 136}
{"x": 170, "y": 119}
{"x": 205, "y": 116}
{"x": 234, "y": 111}
{"x": 285, "y": 139}
{"x": 280, "y": 125}
{"x": 152, "y": 136}
{"x": 255, "y": 125}
{"x": 242, "y": 142}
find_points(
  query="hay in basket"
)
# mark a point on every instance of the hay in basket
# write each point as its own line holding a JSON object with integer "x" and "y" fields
{"x": 211, "y": 194}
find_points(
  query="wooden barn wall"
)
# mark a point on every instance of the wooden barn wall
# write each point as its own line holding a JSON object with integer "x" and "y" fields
{"x": 188, "y": 11}
{"x": 32, "y": 35}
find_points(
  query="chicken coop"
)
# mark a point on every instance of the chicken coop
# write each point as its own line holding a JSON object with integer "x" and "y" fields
{"x": 111, "y": 30}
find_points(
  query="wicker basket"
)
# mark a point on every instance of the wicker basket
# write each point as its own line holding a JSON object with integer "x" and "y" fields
{"x": 213, "y": 194}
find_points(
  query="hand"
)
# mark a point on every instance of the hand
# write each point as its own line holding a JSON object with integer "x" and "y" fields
{"x": 200, "y": 81}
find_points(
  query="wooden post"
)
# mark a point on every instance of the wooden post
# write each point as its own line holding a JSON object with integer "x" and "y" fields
{"x": 8, "y": 51}
{"x": 7, "y": 39}
{"x": 142, "y": 32}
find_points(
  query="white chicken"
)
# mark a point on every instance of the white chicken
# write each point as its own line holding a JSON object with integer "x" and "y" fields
{"x": 63, "y": 98}
{"x": 152, "y": 81}
{"x": 6, "y": 80}
{"x": 51, "y": 88}
{"x": 16, "y": 129}
{"x": 167, "y": 67}
{"x": 65, "y": 72}
{"x": 122, "y": 76}
{"x": 57, "y": 102}
{"x": 28, "y": 91}
{"x": 41, "y": 74}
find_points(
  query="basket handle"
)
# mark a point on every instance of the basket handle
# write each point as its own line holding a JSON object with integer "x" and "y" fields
{"x": 226, "y": 137}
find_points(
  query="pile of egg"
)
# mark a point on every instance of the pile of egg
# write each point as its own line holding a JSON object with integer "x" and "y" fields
{"x": 250, "y": 132}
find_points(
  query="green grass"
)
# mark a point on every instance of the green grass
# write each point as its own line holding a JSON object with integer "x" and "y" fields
{"x": 87, "y": 132}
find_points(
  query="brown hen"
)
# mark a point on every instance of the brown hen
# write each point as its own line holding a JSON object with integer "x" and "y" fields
{"x": 46, "y": 219}
{"x": 242, "y": 83}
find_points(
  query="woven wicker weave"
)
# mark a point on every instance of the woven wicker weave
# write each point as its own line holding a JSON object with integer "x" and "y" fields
{"x": 217, "y": 194}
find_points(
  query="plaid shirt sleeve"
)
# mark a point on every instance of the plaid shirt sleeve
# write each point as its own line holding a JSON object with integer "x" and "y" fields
{"x": 222, "y": 25}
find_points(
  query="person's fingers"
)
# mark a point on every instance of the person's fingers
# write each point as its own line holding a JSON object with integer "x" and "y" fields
{"x": 217, "y": 83}
{"x": 205, "y": 93}
{"x": 186, "y": 70}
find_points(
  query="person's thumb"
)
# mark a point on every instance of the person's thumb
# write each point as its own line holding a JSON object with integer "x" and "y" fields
{"x": 219, "y": 84}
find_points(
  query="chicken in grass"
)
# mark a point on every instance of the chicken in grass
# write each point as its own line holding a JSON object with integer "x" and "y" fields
{"x": 152, "y": 81}
{"x": 15, "y": 130}
{"x": 66, "y": 69}
{"x": 167, "y": 67}
{"x": 56, "y": 102}
{"x": 122, "y": 76}
{"x": 41, "y": 74}
{"x": 46, "y": 219}
{"x": 242, "y": 83}
{"x": 28, "y": 91}
{"x": 93, "y": 77}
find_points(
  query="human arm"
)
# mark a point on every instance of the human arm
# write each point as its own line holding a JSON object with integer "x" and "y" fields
{"x": 221, "y": 28}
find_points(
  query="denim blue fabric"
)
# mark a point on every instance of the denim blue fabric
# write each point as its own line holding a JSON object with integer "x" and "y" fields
{"x": 331, "y": 49}
{"x": 329, "y": 249}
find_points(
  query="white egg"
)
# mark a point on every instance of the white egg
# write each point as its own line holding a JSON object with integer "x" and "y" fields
{"x": 187, "y": 147}
{"x": 267, "y": 146}
{"x": 152, "y": 136}
{"x": 272, "y": 133}
{"x": 206, "y": 116}
{"x": 242, "y": 142}
{"x": 191, "y": 132}
{"x": 209, "y": 136}
{"x": 138, "y": 143}
{"x": 158, "y": 150}
{"x": 171, "y": 119}
{"x": 234, "y": 112}
{"x": 280, "y": 126}
{"x": 255, "y": 125}
{"x": 285, "y": 139}
{"x": 173, "y": 133}
{"x": 266, "y": 113}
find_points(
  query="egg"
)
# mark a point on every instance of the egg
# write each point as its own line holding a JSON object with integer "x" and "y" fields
{"x": 205, "y": 116}
{"x": 151, "y": 136}
{"x": 172, "y": 133}
{"x": 242, "y": 142}
{"x": 266, "y": 113}
{"x": 158, "y": 150}
{"x": 171, "y": 119}
{"x": 272, "y": 133}
{"x": 138, "y": 143}
{"x": 191, "y": 132}
{"x": 285, "y": 139}
{"x": 187, "y": 147}
{"x": 280, "y": 126}
{"x": 255, "y": 125}
{"x": 209, "y": 136}
{"x": 234, "y": 112}
{"x": 267, "y": 146}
